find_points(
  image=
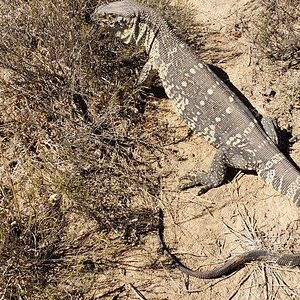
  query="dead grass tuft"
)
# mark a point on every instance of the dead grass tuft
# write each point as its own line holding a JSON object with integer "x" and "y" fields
{"x": 278, "y": 31}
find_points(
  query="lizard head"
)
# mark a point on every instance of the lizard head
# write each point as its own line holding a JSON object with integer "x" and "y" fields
{"x": 126, "y": 8}
{"x": 126, "y": 19}
{"x": 119, "y": 17}
{"x": 115, "y": 14}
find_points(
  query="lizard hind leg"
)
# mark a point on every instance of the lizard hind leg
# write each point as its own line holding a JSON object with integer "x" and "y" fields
{"x": 270, "y": 127}
{"x": 206, "y": 180}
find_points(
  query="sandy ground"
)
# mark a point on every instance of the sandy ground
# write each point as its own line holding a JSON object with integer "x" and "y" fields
{"x": 243, "y": 214}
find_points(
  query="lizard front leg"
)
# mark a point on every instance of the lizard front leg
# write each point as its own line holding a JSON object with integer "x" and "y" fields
{"x": 207, "y": 180}
{"x": 144, "y": 74}
{"x": 270, "y": 127}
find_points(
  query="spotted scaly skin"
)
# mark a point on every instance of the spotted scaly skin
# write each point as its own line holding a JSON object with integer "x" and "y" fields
{"x": 207, "y": 105}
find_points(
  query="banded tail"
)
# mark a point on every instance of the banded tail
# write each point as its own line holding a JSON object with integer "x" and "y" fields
{"x": 282, "y": 176}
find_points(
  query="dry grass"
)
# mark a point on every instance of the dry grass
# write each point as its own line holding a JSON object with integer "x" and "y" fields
{"x": 278, "y": 35}
{"x": 77, "y": 155}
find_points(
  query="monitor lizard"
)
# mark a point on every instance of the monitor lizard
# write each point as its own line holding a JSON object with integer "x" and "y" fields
{"x": 211, "y": 110}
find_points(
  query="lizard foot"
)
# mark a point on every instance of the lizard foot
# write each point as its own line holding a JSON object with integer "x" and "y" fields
{"x": 193, "y": 181}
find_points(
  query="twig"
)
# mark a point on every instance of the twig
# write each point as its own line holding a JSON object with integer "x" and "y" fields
{"x": 137, "y": 292}
{"x": 244, "y": 279}
{"x": 119, "y": 289}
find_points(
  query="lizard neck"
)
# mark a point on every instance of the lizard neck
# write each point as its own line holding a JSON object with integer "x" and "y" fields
{"x": 145, "y": 30}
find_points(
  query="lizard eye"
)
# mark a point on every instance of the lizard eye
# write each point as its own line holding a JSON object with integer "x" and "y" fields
{"x": 120, "y": 21}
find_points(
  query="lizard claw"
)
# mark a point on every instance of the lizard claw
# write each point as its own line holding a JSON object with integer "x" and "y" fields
{"x": 188, "y": 182}
{"x": 202, "y": 189}
{"x": 193, "y": 180}
{"x": 186, "y": 186}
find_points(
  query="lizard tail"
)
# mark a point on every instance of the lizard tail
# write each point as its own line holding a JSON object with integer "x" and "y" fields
{"x": 279, "y": 172}
{"x": 230, "y": 266}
